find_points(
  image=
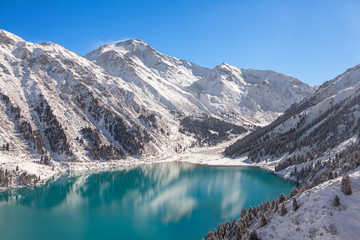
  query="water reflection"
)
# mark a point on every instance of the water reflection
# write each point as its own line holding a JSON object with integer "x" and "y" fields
{"x": 148, "y": 195}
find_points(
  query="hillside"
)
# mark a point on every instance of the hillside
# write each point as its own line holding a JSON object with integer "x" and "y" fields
{"x": 315, "y": 139}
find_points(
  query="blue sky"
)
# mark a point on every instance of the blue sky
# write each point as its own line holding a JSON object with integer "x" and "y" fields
{"x": 311, "y": 40}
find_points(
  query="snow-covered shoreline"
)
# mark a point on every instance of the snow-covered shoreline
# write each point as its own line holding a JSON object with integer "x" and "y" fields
{"x": 211, "y": 156}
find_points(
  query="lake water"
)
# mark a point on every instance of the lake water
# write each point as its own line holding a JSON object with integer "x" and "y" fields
{"x": 161, "y": 201}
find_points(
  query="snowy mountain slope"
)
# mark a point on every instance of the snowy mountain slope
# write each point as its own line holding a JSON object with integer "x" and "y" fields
{"x": 258, "y": 95}
{"x": 74, "y": 109}
{"x": 314, "y": 140}
{"x": 241, "y": 95}
{"x": 160, "y": 77}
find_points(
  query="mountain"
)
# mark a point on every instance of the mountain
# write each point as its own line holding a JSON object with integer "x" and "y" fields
{"x": 243, "y": 96}
{"x": 315, "y": 143}
{"x": 121, "y": 101}
{"x": 59, "y": 105}
{"x": 314, "y": 140}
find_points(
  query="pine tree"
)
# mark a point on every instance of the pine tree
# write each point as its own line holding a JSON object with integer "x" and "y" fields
{"x": 243, "y": 213}
{"x": 253, "y": 235}
{"x": 273, "y": 204}
{"x": 263, "y": 220}
{"x": 282, "y": 198}
{"x": 345, "y": 185}
{"x": 294, "y": 191}
{"x": 295, "y": 205}
{"x": 336, "y": 201}
{"x": 276, "y": 208}
{"x": 283, "y": 209}
{"x": 233, "y": 222}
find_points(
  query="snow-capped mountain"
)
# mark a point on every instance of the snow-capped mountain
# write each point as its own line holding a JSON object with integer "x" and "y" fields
{"x": 60, "y": 105}
{"x": 314, "y": 140}
{"x": 123, "y": 99}
{"x": 315, "y": 143}
{"x": 241, "y": 95}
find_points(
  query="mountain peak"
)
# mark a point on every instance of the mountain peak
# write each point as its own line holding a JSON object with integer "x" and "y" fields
{"x": 131, "y": 41}
{"x": 8, "y": 38}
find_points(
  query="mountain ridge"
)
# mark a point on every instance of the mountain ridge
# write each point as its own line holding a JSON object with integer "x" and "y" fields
{"x": 187, "y": 84}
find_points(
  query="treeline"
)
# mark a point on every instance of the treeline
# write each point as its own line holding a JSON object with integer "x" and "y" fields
{"x": 52, "y": 128}
{"x": 318, "y": 172}
{"x": 96, "y": 149}
{"x": 331, "y": 128}
{"x": 248, "y": 142}
{"x": 209, "y": 130}
{"x": 24, "y": 178}
{"x": 130, "y": 137}
{"x": 239, "y": 229}
{"x": 32, "y": 136}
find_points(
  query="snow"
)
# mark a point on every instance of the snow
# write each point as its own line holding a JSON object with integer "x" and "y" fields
{"x": 245, "y": 96}
{"x": 316, "y": 217}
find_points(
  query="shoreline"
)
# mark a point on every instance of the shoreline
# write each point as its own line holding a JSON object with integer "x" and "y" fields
{"x": 208, "y": 156}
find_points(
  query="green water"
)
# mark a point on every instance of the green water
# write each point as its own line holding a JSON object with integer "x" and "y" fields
{"x": 180, "y": 201}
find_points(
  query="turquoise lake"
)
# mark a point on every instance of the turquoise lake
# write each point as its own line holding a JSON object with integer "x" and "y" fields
{"x": 160, "y": 201}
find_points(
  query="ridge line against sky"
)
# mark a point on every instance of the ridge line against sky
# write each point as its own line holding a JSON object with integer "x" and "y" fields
{"x": 313, "y": 41}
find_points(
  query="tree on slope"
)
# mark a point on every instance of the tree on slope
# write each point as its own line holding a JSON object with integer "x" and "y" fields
{"x": 336, "y": 201}
{"x": 283, "y": 209}
{"x": 253, "y": 235}
{"x": 295, "y": 205}
{"x": 345, "y": 185}
{"x": 263, "y": 220}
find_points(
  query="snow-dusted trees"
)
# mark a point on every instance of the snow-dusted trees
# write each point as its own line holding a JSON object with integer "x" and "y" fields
{"x": 98, "y": 150}
{"x": 283, "y": 209}
{"x": 282, "y": 198}
{"x": 263, "y": 220}
{"x": 253, "y": 235}
{"x": 243, "y": 213}
{"x": 345, "y": 185}
{"x": 209, "y": 130}
{"x": 295, "y": 205}
{"x": 293, "y": 192}
{"x": 4, "y": 178}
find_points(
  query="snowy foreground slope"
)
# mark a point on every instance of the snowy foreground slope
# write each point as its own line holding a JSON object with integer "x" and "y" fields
{"x": 316, "y": 216}
{"x": 127, "y": 104}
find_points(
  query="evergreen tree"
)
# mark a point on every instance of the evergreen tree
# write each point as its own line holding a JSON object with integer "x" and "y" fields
{"x": 243, "y": 213}
{"x": 295, "y": 205}
{"x": 233, "y": 222}
{"x": 336, "y": 201}
{"x": 294, "y": 191}
{"x": 253, "y": 235}
{"x": 283, "y": 209}
{"x": 282, "y": 198}
{"x": 345, "y": 185}
{"x": 263, "y": 220}
{"x": 276, "y": 208}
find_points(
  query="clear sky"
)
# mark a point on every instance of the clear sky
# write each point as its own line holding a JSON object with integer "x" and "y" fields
{"x": 311, "y": 40}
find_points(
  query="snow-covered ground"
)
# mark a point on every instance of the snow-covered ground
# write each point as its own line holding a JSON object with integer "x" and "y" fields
{"x": 317, "y": 217}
